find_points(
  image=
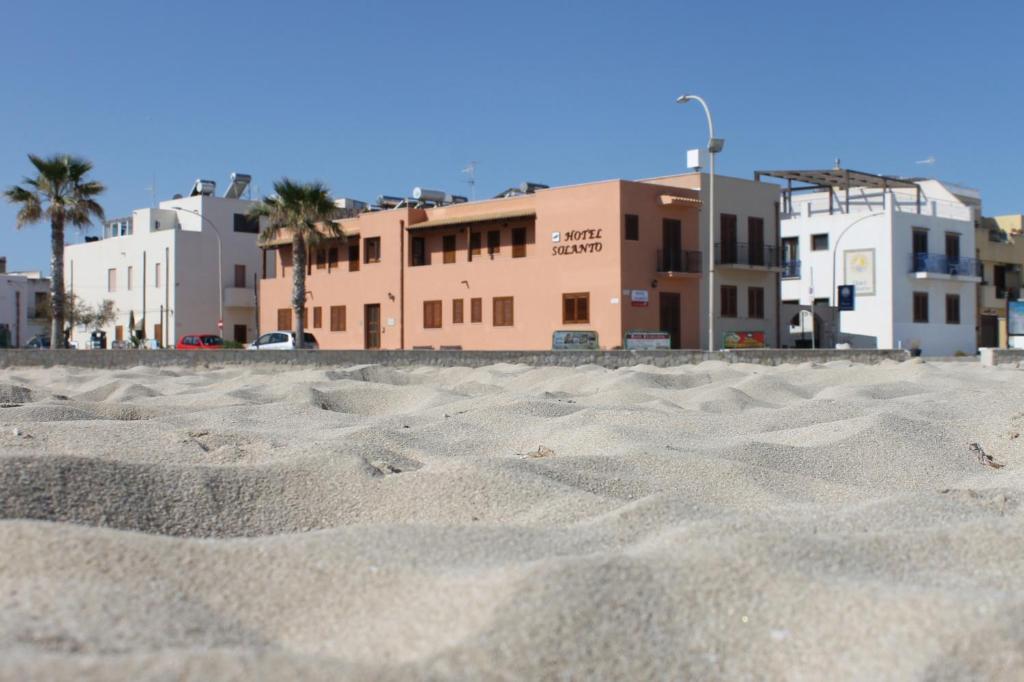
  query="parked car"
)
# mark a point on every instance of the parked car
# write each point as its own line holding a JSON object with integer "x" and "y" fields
{"x": 283, "y": 340}
{"x": 39, "y": 341}
{"x": 200, "y": 342}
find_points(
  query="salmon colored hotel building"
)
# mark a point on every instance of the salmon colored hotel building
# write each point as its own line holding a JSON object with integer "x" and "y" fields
{"x": 506, "y": 273}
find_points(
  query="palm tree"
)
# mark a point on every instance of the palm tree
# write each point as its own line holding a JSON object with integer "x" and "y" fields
{"x": 60, "y": 193}
{"x": 304, "y": 211}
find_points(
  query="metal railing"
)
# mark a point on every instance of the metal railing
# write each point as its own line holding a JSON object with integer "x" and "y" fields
{"x": 742, "y": 253}
{"x": 678, "y": 260}
{"x": 790, "y": 269}
{"x": 942, "y": 264}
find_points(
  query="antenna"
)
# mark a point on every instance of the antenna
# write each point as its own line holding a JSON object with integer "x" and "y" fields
{"x": 470, "y": 171}
{"x": 152, "y": 191}
{"x": 930, "y": 161}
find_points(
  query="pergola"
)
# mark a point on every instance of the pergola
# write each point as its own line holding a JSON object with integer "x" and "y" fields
{"x": 832, "y": 180}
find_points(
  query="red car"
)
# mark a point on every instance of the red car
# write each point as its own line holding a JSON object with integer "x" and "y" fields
{"x": 200, "y": 342}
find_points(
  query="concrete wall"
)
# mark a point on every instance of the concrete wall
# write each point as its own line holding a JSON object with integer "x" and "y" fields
{"x": 122, "y": 359}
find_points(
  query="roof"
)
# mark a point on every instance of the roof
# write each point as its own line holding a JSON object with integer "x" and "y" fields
{"x": 470, "y": 218}
{"x": 837, "y": 178}
{"x": 673, "y": 200}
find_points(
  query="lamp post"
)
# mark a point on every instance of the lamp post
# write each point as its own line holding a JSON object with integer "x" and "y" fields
{"x": 833, "y": 298}
{"x": 220, "y": 272}
{"x": 715, "y": 145}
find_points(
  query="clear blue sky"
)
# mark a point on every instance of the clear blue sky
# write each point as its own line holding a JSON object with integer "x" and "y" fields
{"x": 377, "y": 97}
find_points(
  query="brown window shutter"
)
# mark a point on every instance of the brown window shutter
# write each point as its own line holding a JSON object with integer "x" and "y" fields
{"x": 457, "y": 311}
{"x": 476, "y": 310}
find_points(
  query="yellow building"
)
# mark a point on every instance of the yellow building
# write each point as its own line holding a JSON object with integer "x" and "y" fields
{"x": 1000, "y": 246}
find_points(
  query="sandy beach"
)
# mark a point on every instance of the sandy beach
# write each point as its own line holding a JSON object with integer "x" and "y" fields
{"x": 715, "y": 521}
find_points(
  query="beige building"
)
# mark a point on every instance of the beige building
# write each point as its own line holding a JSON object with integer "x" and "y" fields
{"x": 1000, "y": 248}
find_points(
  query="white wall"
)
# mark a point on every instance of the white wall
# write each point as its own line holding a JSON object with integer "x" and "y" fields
{"x": 18, "y": 307}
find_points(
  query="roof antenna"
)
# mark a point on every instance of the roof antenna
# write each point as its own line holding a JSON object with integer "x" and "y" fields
{"x": 838, "y": 165}
{"x": 470, "y": 171}
{"x": 152, "y": 191}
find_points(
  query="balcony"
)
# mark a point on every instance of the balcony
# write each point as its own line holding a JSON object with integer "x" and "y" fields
{"x": 941, "y": 266}
{"x": 790, "y": 269}
{"x": 679, "y": 262}
{"x": 239, "y": 297}
{"x": 744, "y": 255}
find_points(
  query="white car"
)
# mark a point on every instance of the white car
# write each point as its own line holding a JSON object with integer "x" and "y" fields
{"x": 283, "y": 340}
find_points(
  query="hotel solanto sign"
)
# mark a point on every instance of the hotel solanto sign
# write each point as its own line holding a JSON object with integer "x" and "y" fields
{"x": 573, "y": 242}
{"x": 638, "y": 339}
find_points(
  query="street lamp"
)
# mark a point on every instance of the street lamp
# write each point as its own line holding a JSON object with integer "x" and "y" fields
{"x": 715, "y": 145}
{"x": 220, "y": 273}
{"x": 835, "y": 251}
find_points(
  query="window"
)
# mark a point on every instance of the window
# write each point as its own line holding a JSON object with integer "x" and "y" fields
{"x": 755, "y": 241}
{"x": 353, "y": 254}
{"x": 474, "y": 243}
{"x": 999, "y": 280}
{"x": 493, "y": 242}
{"x": 476, "y": 310}
{"x": 920, "y": 306}
{"x": 129, "y": 278}
{"x": 244, "y": 223}
{"x": 755, "y": 302}
{"x": 332, "y": 257}
{"x": 418, "y": 252}
{"x": 819, "y": 242}
{"x": 284, "y": 318}
{"x": 240, "y": 276}
{"x": 519, "y": 242}
{"x": 920, "y": 240}
{"x": 575, "y": 308}
{"x": 952, "y": 309}
{"x": 112, "y": 279}
{"x": 457, "y": 311}
{"x": 503, "y": 313}
{"x": 632, "y": 227}
{"x": 321, "y": 259}
{"x": 337, "y": 318}
{"x": 156, "y": 276}
{"x": 318, "y": 317}
{"x": 431, "y": 314}
{"x": 372, "y": 251}
{"x": 449, "y": 248}
{"x": 729, "y": 299}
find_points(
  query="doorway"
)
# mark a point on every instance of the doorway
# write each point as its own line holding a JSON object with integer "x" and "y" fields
{"x": 989, "y": 331}
{"x": 371, "y": 326}
{"x": 240, "y": 333}
{"x": 670, "y": 315}
{"x": 672, "y": 245}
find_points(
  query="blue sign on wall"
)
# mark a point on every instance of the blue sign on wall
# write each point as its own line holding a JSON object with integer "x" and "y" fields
{"x": 846, "y": 296}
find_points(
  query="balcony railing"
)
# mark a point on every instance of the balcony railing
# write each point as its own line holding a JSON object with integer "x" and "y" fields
{"x": 790, "y": 269}
{"x": 677, "y": 260}
{"x": 742, "y": 253}
{"x": 941, "y": 264}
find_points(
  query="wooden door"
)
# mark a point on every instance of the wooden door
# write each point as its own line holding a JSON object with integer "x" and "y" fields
{"x": 729, "y": 247}
{"x": 670, "y": 314}
{"x": 119, "y": 333}
{"x": 755, "y": 238}
{"x": 158, "y": 333}
{"x": 371, "y": 326}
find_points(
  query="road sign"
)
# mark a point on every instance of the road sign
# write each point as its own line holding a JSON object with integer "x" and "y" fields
{"x": 846, "y": 296}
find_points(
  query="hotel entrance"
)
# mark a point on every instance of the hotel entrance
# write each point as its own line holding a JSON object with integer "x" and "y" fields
{"x": 371, "y": 326}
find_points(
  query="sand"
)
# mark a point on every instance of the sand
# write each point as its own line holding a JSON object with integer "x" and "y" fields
{"x": 713, "y": 521}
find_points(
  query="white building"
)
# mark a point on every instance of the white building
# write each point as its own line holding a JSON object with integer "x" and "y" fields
{"x": 160, "y": 268}
{"x": 906, "y": 245}
{"x": 24, "y": 297}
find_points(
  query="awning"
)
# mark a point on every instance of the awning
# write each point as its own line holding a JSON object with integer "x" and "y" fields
{"x": 473, "y": 218}
{"x": 673, "y": 200}
{"x": 284, "y": 238}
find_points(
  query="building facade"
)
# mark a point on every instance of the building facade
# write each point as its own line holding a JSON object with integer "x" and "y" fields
{"x": 907, "y": 247}
{"x": 24, "y": 303}
{"x": 1000, "y": 250}
{"x": 171, "y": 269}
{"x": 507, "y": 273}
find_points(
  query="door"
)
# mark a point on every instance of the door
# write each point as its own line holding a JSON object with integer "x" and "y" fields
{"x": 670, "y": 314}
{"x": 240, "y": 333}
{"x": 989, "y": 331}
{"x": 672, "y": 245}
{"x": 371, "y": 326}
{"x": 240, "y": 276}
{"x": 158, "y": 333}
{"x": 119, "y": 333}
{"x": 729, "y": 248}
{"x": 755, "y": 237}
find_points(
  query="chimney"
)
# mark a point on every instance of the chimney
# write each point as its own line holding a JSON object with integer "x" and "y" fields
{"x": 3, "y": 265}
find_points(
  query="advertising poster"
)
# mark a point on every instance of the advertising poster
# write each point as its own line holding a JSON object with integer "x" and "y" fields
{"x": 1015, "y": 318}
{"x": 574, "y": 340}
{"x": 860, "y": 270}
{"x": 733, "y": 340}
{"x": 637, "y": 339}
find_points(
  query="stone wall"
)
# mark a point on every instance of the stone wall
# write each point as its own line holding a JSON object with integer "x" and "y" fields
{"x": 122, "y": 359}
{"x": 991, "y": 357}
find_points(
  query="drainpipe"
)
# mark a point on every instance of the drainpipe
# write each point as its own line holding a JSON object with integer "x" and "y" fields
{"x": 401, "y": 286}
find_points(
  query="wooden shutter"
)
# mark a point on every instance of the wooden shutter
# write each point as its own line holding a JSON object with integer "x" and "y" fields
{"x": 284, "y": 319}
{"x": 576, "y": 308}
{"x": 519, "y": 242}
{"x": 457, "y": 311}
{"x": 449, "y": 248}
{"x": 337, "y": 318}
{"x": 476, "y": 313}
{"x": 318, "y": 317}
{"x": 432, "y": 314}
{"x": 503, "y": 312}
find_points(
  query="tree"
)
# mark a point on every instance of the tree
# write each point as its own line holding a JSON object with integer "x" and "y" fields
{"x": 305, "y": 212}
{"x": 77, "y": 311}
{"x": 60, "y": 193}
